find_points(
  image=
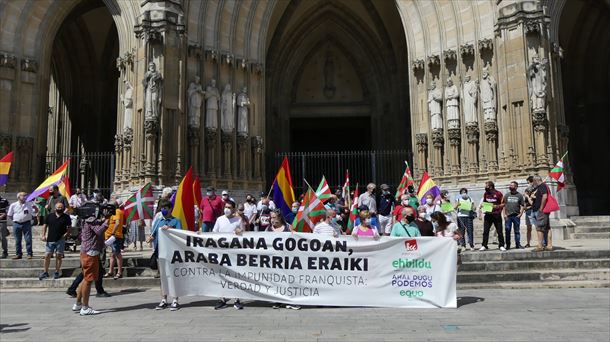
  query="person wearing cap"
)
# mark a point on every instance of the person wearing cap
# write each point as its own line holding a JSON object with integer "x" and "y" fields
{"x": 226, "y": 197}
{"x": 386, "y": 204}
{"x": 270, "y": 205}
{"x": 211, "y": 208}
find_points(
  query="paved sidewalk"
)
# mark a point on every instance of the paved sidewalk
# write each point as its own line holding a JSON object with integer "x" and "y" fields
{"x": 483, "y": 315}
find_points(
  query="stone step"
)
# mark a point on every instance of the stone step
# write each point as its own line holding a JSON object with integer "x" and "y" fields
{"x": 69, "y": 261}
{"x": 602, "y": 235}
{"x": 531, "y": 254}
{"x": 581, "y": 219}
{"x": 531, "y": 265}
{"x": 592, "y": 224}
{"x": 64, "y": 283}
{"x": 70, "y": 272}
{"x": 605, "y": 229}
{"x": 579, "y": 284}
{"x": 544, "y": 275}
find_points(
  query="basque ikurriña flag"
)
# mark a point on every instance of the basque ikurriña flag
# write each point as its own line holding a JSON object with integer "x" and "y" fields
{"x": 5, "y": 168}
{"x": 184, "y": 208}
{"x": 140, "y": 205}
{"x": 283, "y": 193}
{"x": 323, "y": 191}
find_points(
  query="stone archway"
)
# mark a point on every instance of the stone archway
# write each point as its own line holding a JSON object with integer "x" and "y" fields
{"x": 584, "y": 40}
{"x": 339, "y": 70}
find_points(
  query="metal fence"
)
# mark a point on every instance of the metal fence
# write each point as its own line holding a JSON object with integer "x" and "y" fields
{"x": 364, "y": 167}
{"x": 88, "y": 171}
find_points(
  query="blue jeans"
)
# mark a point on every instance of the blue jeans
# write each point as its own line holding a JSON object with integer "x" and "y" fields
{"x": 25, "y": 229}
{"x": 465, "y": 225}
{"x": 207, "y": 227}
{"x": 513, "y": 221}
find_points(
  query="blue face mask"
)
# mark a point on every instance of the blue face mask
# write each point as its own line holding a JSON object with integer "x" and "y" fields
{"x": 164, "y": 211}
{"x": 333, "y": 220}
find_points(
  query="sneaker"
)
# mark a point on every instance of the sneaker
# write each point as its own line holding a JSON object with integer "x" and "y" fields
{"x": 238, "y": 305}
{"x": 76, "y": 307}
{"x": 175, "y": 306}
{"x": 71, "y": 293}
{"x": 502, "y": 248}
{"x": 16, "y": 257}
{"x": 277, "y": 306}
{"x": 483, "y": 248}
{"x": 221, "y": 305}
{"x": 88, "y": 311}
{"x": 161, "y": 305}
{"x": 471, "y": 248}
{"x": 56, "y": 275}
{"x": 103, "y": 295}
{"x": 43, "y": 275}
{"x": 293, "y": 307}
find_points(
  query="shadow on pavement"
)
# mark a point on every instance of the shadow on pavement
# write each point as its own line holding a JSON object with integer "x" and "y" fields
{"x": 461, "y": 301}
{"x": 126, "y": 292}
{"x": 10, "y": 328}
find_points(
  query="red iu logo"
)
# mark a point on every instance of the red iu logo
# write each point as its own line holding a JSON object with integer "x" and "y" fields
{"x": 411, "y": 245}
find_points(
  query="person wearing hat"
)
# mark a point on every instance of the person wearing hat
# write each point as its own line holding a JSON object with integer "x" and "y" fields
{"x": 384, "y": 210}
{"x": 211, "y": 208}
{"x": 226, "y": 197}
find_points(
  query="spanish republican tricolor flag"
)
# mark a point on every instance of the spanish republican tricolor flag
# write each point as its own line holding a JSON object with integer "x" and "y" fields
{"x": 57, "y": 178}
{"x": 184, "y": 208}
{"x": 5, "y": 168}
{"x": 427, "y": 186}
{"x": 283, "y": 194}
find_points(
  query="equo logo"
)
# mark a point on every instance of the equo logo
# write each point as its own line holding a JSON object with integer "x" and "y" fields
{"x": 411, "y": 293}
{"x": 411, "y": 245}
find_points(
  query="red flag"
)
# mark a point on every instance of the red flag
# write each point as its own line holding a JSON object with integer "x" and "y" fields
{"x": 197, "y": 190}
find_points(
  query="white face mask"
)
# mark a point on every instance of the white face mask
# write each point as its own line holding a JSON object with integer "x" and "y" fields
{"x": 405, "y": 202}
{"x": 228, "y": 212}
{"x": 422, "y": 215}
{"x": 428, "y": 201}
{"x": 367, "y": 221}
{"x": 208, "y": 194}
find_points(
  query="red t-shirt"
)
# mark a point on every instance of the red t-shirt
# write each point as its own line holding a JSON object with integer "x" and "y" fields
{"x": 495, "y": 198}
{"x": 211, "y": 209}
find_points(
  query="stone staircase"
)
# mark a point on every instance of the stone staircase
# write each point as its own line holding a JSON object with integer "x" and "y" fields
{"x": 591, "y": 227}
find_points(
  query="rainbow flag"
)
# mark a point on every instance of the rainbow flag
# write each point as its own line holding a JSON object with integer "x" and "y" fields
{"x": 184, "y": 208}
{"x": 54, "y": 179}
{"x": 427, "y": 186}
{"x": 283, "y": 193}
{"x": 5, "y": 168}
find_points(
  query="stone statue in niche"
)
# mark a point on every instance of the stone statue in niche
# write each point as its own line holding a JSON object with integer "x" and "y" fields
{"x": 152, "y": 93}
{"x": 488, "y": 95}
{"x": 536, "y": 75}
{"x": 212, "y": 95}
{"x": 470, "y": 94}
{"x": 329, "y": 76}
{"x": 127, "y": 101}
{"x": 452, "y": 101}
{"x": 227, "y": 111}
{"x": 435, "y": 99}
{"x": 195, "y": 93}
{"x": 243, "y": 104}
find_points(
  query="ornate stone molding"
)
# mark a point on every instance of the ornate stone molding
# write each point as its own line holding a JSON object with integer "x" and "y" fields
{"x": 159, "y": 18}
{"x": 467, "y": 49}
{"x": 539, "y": 121}
{"x": 421, "y": 140}
{"x": 455, "y": 136}
{"x": 193, "y": 136}
{"x": 7, "y": 60}
{"x": 127, "y": 138}
{"x": 472, "y": 132}
{"x": 29, "y": 64}
{"x": 243, "y": 64}
{"x": 211, "y": 55}
{"x": 449, "y": 55}
{"x": 211, "y": 136}
{"x": 242, "y": 140}
{"x": 226, "y": 138}
{"x": 515, "y": 13}
{"x": 418, "y": 65}
{"x": 437, "y": 138}
{"x": 195, "y": 50}
{"x": 491, "y": 131}
{"x": 557, "y": 50}
{"x": 486, "y": 44}
{"x": 228, "y": 59}
{"x": 434, "y": 60}
{"x": 118, "y": 143}
{"x": 257, "y": 144}
{"x": 151, "y": 128}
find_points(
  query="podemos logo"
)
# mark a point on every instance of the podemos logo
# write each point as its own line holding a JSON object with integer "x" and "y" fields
{"x": 411, "y": 245}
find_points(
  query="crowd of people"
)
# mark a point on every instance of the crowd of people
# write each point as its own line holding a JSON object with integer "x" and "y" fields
{"x": 378, "y": 213}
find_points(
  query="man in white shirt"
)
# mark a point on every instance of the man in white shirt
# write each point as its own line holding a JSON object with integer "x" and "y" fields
{"x": 229, "y": 223}
{"x": 368, "y": 199}
{"x": 20, "y": 213}
{"x": 325, "y": 227}
{"x": 78, "y": 199}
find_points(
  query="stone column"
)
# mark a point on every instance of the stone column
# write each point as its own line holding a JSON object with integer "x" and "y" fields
{"x": 227, "y": 147}
{"x": 242, "y": 143}
{"x": 193, "y": 139}
{"x": 127, "y": 144}
{"x": 151, "y": 128}
{"x": 437, "y": 155}
{"x": 257, "y": 151}
{"x": 211, "y": 137}
{"x": 455, "y": 138}
{"x": 472, "y": 136}
{"x": 491, "y": 148}
{"x": 118, "y": 167}
{"x": 540, "y": 124}
{"x": 421, "y": 140}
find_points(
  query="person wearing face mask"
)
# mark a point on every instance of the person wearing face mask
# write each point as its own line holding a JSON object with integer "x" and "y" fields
{"x": 397, "y": 213}
{"x": 264, "y": 198}
{"x": 278, "y": 225}
{"x": 494, "y": 217}
{"x": 514, "y": 206}
{"x": 293, "y": 213}
{"x": 430, "y": 206}
{"x": 365, "y": 228}
{"x": 166, "y": 222}
{"x": 325, "y": 227}
{"x": 384, "y": 210}
{"x": 211, "y": 208}
{"x": 413, "y": 201}
{"x": 465, "y": 218}
{"x": 250, "y": 211}
{"x": 54, "y": 232}
{"x": 406, "y": 227}
{"x": 425, "y": 226}
{"x": 263, "y": 217}
{"x": 442, "y": 227}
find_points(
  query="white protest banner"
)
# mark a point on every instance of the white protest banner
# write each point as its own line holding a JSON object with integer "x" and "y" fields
{"x": 310, "y": 269}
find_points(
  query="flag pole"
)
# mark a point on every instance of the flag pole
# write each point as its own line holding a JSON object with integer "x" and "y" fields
{"x": 307, "y": 183}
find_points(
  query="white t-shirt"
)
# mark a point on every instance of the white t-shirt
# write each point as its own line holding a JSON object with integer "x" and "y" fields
{"x": 225, "y": 224}
{"x": 259, "y": 205}
{"x": 249, "y": 210}
{"x": 324, "y": 229}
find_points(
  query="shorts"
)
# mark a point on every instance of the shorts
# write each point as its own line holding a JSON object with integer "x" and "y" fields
{"x": 55, "y": 247}
{"x": 528, "y": 219}
{"x": 117, "y": 246}
{"x": 541, "y": 220}
{"x": 90, "y": 266}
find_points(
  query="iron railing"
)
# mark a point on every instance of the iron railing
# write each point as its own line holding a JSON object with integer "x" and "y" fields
{"x": 88, "y": 171}
{"x": 364, "y": 167}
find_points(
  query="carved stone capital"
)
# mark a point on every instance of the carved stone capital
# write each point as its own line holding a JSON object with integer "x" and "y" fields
{"x": 127, "y": 138}
{"x": 7, "y": 60}
{"x": 118, "y": 143}
{"x": 421, "y": 140}
{"x": 156, "y": 20}
{"x": 437, "y": 138}
{"x": 210, "y": 136}
{"x": 449, "y": 55}
{"x": 467, "y": 49}
{"x": 455, "y": 136}
{"x": 472, "y": 132}
{"x": 228, "y": 59}
{"x": 226, "y": 138}
{"x": 151, "y": 128}
{"x": 434, "y": 60}
{"x": 418, "y": 65}
{"x": 532, "y": 25}
{"x": 257, "y": 144}
{"x": 257, "y": 68}
{"x": 211, "y": 55}
{"x": 491, "y": 131}
{"x": 539, "y": 121}
{"x": 513, "y": 13}
{"x": 486, "y": 44}
{"x": 242, "y": 140}
{"x": 29, "y": 64}
{"x": 195, "y": 50}
{"x": 193, "y": 136}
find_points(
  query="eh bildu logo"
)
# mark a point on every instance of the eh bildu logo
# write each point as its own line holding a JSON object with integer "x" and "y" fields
{"x": 411, "y": 245}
